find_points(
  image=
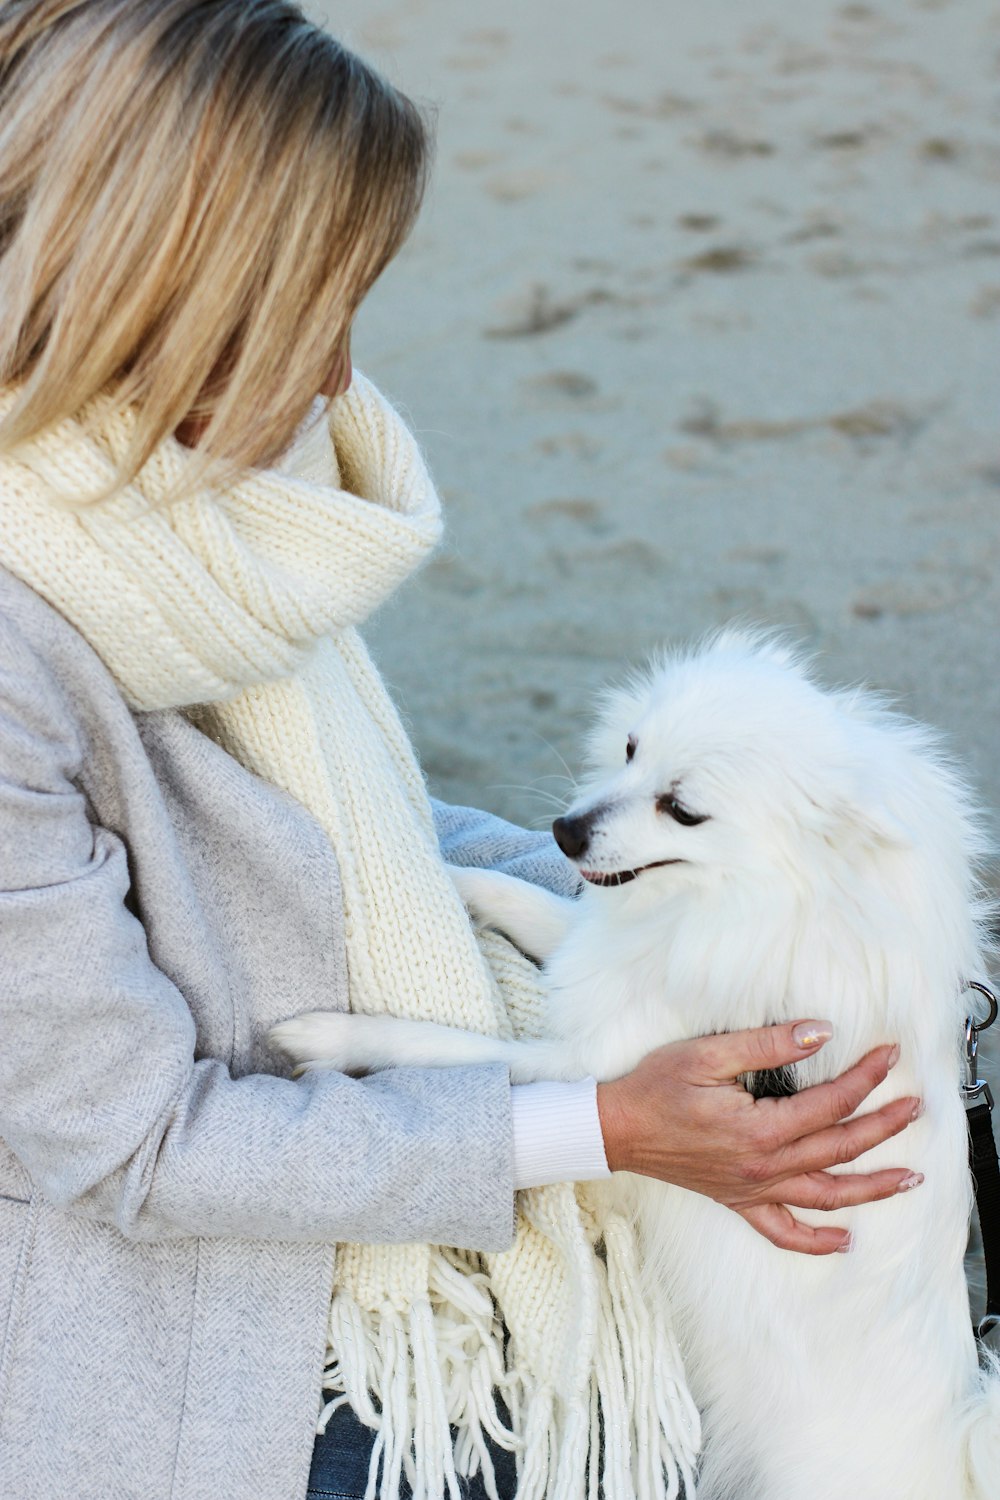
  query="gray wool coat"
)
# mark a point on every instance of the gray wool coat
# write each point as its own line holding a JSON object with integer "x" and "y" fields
{"x": 168, "y": 1201}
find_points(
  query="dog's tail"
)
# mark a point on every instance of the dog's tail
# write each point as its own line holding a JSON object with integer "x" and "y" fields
{"x": 982, "y": 1435}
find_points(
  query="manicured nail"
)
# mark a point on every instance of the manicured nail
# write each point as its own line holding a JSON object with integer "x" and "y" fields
{"x": 811, "y": 1033}
{"x": 847, "y": 1245}
{"x": 914, "y": 1180}
{"x": 917, "y": 1110}
{"x": 894, "y": 1056}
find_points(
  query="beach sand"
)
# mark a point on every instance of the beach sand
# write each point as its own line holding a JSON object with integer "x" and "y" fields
{"x": 701, "y": 322}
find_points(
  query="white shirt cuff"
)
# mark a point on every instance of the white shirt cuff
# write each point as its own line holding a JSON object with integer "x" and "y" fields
{"x": 557, "y": 1133}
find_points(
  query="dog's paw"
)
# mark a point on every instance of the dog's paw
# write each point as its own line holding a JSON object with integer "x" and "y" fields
{"x": 477, "y": 888}
{"x": 318, "y": 1039}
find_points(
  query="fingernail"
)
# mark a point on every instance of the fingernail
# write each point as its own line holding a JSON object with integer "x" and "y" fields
{"x": 847, "y": 1245}
{"x": 894, "y": 1056}
{"x": 914, "y": 1180}
{"x": 811, "y": 1033}
{"x": 917, "y": 1110}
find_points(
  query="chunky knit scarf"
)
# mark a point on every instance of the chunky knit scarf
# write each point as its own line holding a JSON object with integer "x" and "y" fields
{"x": 239, "y": 606}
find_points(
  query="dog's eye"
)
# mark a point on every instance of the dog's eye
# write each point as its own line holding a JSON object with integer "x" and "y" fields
{"x": 630, "y": 747}
{"x": 669, "y": 804}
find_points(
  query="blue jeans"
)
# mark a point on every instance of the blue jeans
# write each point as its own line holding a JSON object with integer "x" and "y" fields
{"x": 342, "y": 1454}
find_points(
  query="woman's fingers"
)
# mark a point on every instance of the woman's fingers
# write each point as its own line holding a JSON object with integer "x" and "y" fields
{"x": 777, "y": 1224}
{"x": 829, "y": 1191}
{"x": 823, "y": 1190}
{"x": 724, "y": 1056}
{"x": 825, "y": 1104}
{"x": 845, "y": 1141}
{"x": 811, "y": 1130}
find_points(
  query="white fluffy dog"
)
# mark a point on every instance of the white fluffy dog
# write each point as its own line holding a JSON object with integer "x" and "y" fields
{"x": 757, "y": 850}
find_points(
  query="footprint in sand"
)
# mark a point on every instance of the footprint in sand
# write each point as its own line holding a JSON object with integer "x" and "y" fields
{"x": 588, "y": 515}
{"x": 819, "y": 229}
{"x": 936, "y": 589}
{"x": 486, "y": 36}
{"x": 752, "y": 606}
{"x": 614, "y": 562}
{"x": 838, "y": 265}
{"x": 469, "y": 62}
{"x": 721, "y": 260}
{"x": 534, "y": 311}
{"x": 576, "y": 444}
{"x": 687, "y": 458}
{"x": 567, "y": 386}
{"x": 730, "y": 146}
{"x": 518, "y": 125}
{"x": 450, "y": 575}
{"x": 763, "y": 557}
{"x": 474, "y": 161}
{"x": 537, "y": 310}
{"x": 513, "y": 187}
{"x": 845, "y": 140}
{"x": 939, "y": 148}
{"x": 878, "y": 419}
{"x": 662, "y": 107}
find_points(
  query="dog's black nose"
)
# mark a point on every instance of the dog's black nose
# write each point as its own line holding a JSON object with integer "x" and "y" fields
{"x": 572, "y": 835}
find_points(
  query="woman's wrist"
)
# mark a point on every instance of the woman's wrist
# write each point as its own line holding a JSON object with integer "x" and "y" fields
{"x": 613, "y": 1117}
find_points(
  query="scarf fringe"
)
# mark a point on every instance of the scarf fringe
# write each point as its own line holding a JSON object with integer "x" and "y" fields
{"x": 436, "y": 1383}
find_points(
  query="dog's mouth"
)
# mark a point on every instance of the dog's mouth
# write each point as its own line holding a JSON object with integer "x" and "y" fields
{"x": 622, "y": 877}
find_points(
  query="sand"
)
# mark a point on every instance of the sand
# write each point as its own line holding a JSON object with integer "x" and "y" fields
{"x": 701, "y": 321}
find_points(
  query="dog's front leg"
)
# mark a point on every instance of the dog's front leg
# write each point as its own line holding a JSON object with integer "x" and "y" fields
{"x": 367, "y": 1044}
{"x": 535, "y": 919}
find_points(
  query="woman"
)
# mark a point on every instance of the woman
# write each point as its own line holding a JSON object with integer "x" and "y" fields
{"x": 210, "y": 819}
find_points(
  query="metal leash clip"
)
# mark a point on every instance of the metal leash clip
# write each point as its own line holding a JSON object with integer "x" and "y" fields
{"x": 975, "y": 1089}
{"x": 983, "y": 1161}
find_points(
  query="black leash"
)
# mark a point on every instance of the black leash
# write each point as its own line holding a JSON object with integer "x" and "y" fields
{"x": 983, "y": 1158}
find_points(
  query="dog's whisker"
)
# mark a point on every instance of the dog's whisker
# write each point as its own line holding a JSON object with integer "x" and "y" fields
{"x": 528, "y": 787}
{"x": 528, "y": 790}
{"x": 559, "y": 757}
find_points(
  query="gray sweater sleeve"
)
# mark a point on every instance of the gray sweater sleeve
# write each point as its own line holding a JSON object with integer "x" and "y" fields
{"x": 468, "y": 836}
{"x": 104, "y": 1102}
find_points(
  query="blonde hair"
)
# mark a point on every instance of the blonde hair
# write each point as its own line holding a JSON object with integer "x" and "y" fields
{"x": 195, "y": 195}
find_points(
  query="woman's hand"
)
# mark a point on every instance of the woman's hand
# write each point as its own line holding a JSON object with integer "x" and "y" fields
{"x": 680, "y": 1116}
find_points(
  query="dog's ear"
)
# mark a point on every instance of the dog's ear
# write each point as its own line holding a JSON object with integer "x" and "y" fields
{"x": 618, "y": 710}
{"x": 865, "y": 812}
{"x": 877, "y": 807}
{"x": 851, "y": 812}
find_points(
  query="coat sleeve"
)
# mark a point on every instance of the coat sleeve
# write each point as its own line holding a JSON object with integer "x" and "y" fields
{"x": 468, "y": 836}
{"x": 102, "y": 1098}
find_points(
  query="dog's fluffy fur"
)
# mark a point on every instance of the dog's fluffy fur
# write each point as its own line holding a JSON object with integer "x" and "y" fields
{"x": 833, "y": 875}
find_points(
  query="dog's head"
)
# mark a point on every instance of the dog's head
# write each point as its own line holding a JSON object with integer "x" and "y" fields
{"x": 729, "y": 761}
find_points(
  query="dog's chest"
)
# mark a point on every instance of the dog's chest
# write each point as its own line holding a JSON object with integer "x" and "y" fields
{"x": 617, "y": 992}
{"x": 611, "y": 999}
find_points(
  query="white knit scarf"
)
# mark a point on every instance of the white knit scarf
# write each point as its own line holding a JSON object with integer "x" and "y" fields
{"x": 239, "y": 607}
